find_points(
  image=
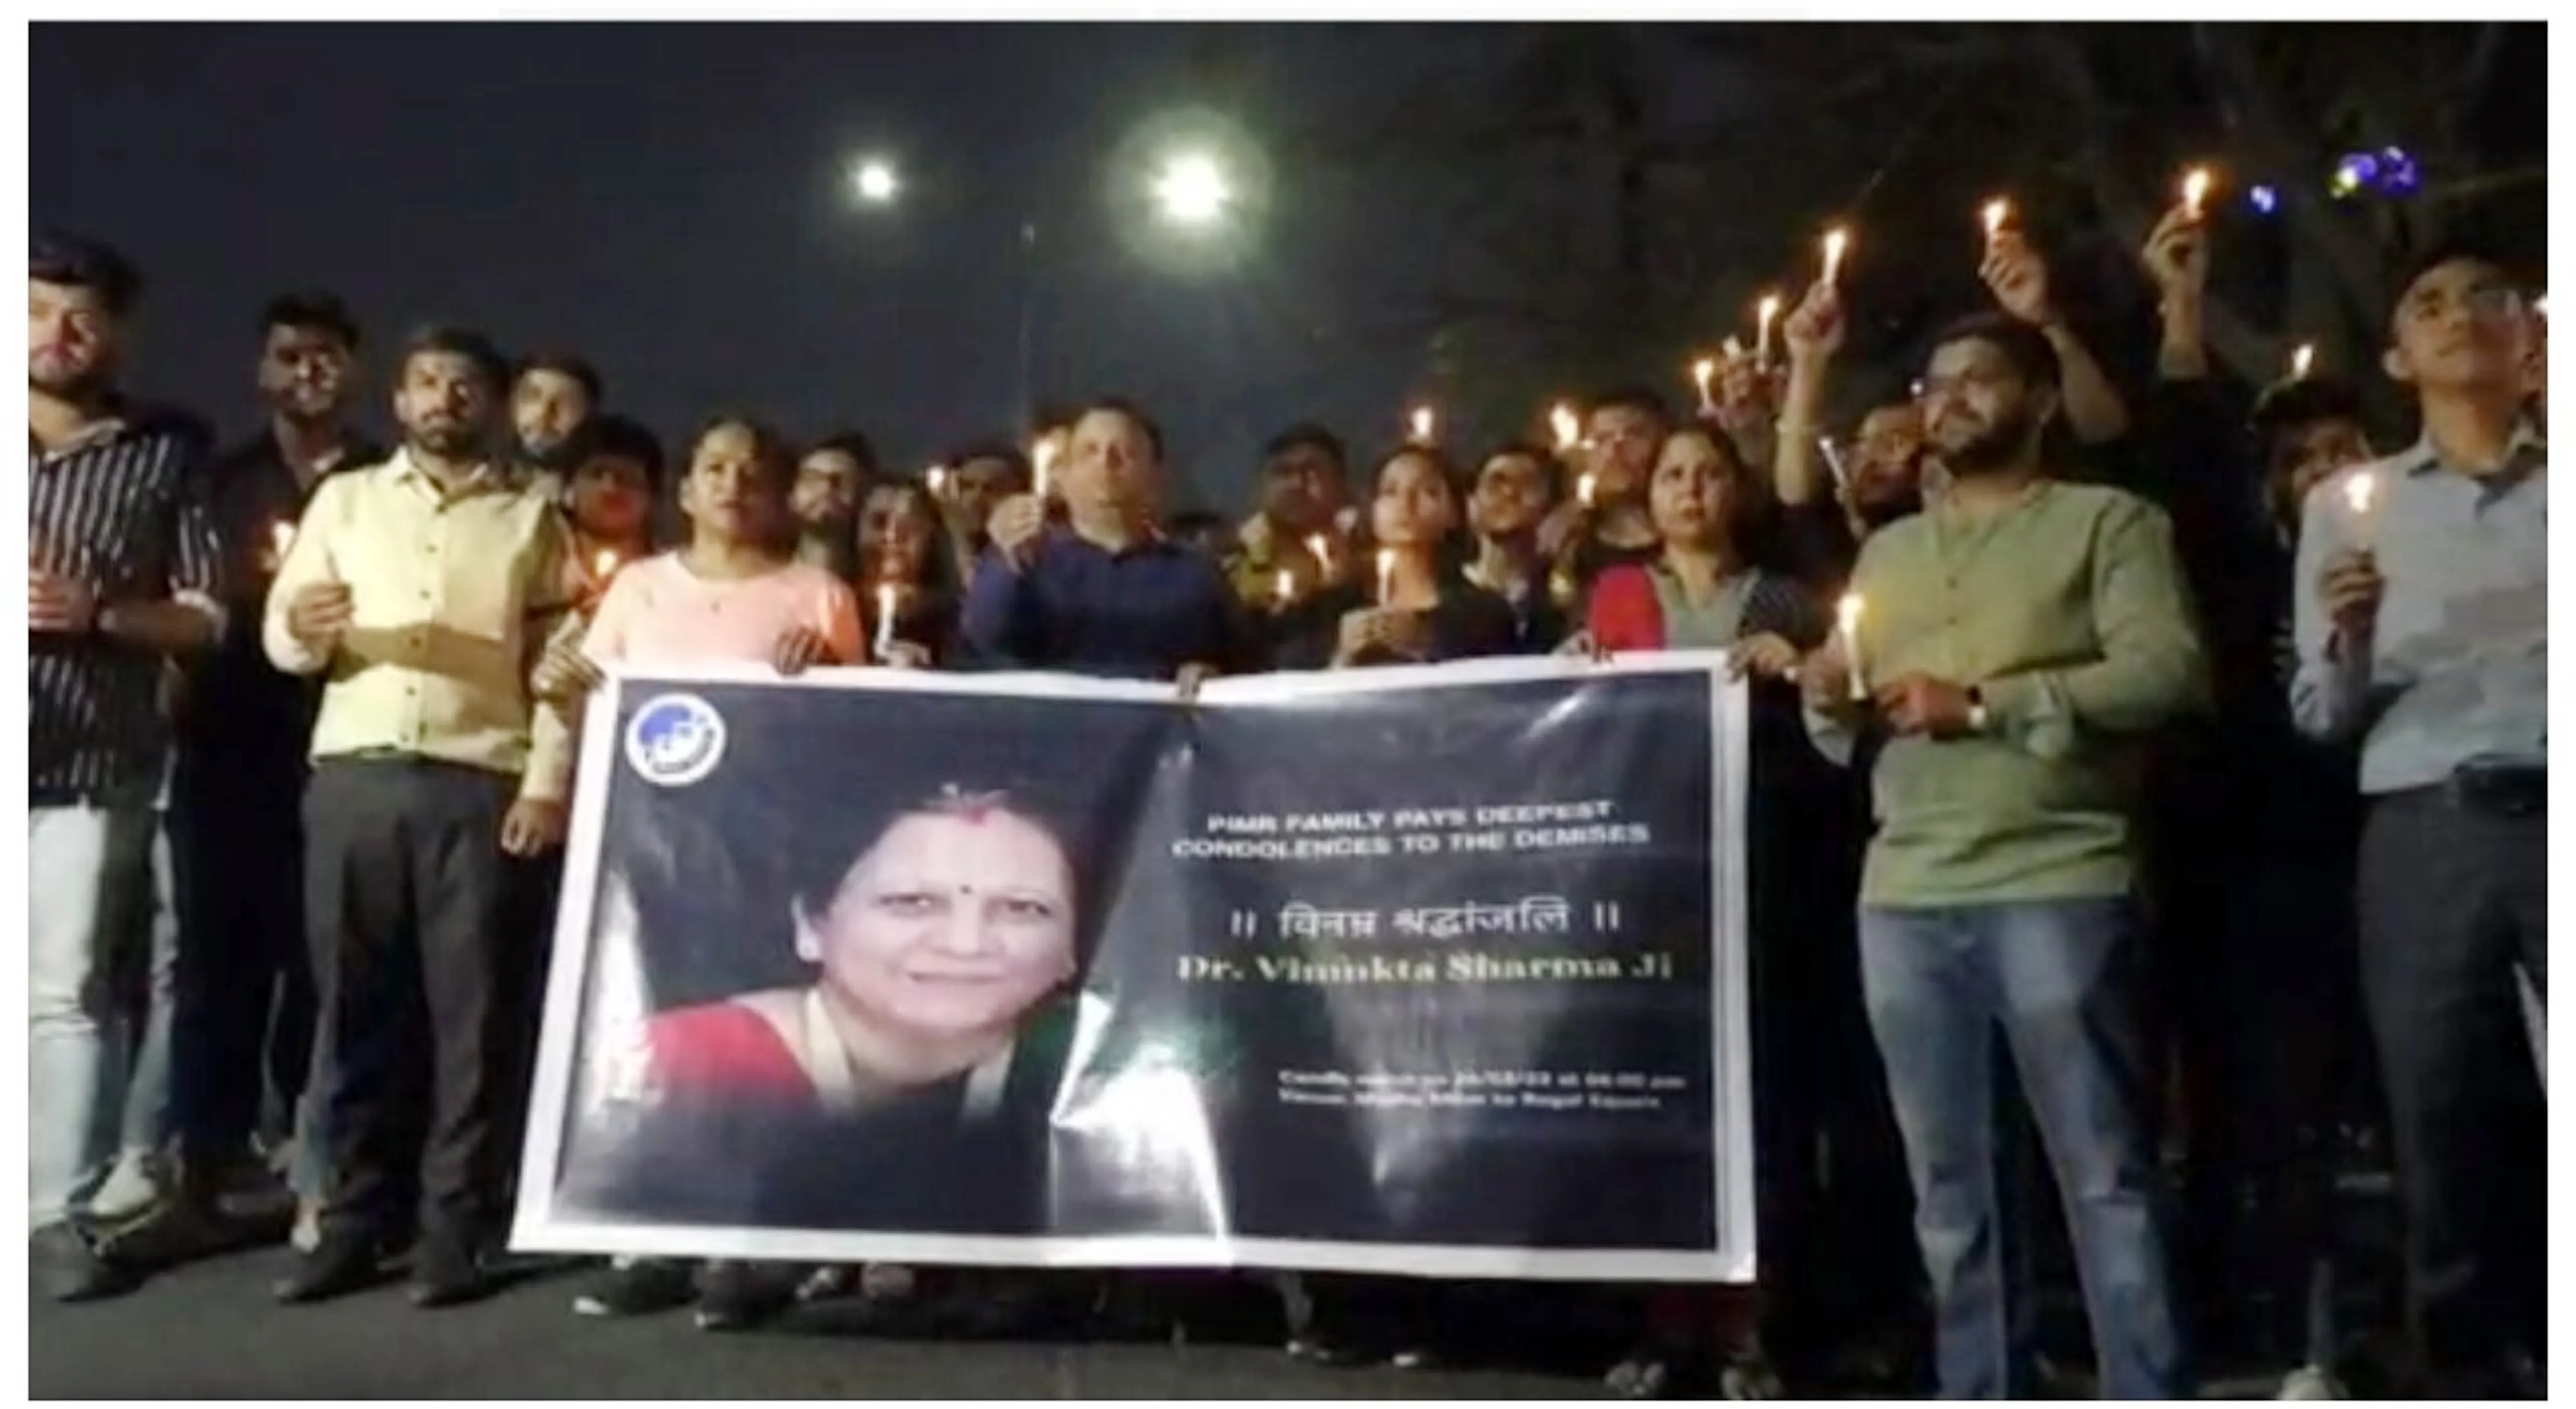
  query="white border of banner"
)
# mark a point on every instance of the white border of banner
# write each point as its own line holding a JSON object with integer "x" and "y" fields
{"x": 537, "y": 1226}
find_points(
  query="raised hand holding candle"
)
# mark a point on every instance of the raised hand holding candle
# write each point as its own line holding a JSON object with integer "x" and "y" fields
{"x": 1569, "y": 427}
{"x": 885, "y": 620}
{"x": 1837, "y": 244}
{"x": 1385, "y": 575}
{"x": 2195, "y": 191}
{"x": 1847, "y": 626}
{"x": 1765, "y": 314}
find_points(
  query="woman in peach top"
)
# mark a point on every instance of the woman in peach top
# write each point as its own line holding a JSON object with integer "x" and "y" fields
{"x": 735, "y": 593}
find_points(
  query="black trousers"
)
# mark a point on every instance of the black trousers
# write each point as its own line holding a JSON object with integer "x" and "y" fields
{"x": 243, "y": 1026}
{"x": 2452, "y": 898}
{"x": 410, "y": 900}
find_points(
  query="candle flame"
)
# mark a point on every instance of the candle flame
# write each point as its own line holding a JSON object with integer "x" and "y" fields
{"x": 1287, "y": 584}
{"x": 937, "y": 479}
{"x": 1322, "y": 548}
{"x": 1704, "y": 371}
{"x": 1569, "y": 427}
{"x": 1996, "y": 213}
{"x": 1042, "y": 459}
{"x": 281, "y": 537}
{"x": 1424, "y": 424}
{"x": 2358, "y": 491}
{"x": 1847, "y": 613}
{"x": 2195, "y": 189}
{"x": 1837, "y": 243}
{"x": 2302, "y": 360}
{"x": 1768, "y": 309}
{"x": 1584, "y": 487}
{"x": 604, "y": 566}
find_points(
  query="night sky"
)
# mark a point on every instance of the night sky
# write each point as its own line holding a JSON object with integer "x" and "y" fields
{"x": 673, "y": 201}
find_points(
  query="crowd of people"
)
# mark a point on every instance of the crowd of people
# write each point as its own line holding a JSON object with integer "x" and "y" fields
{"x": 2180, "y": 756}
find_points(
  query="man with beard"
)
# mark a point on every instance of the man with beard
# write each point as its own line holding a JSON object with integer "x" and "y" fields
{"x": 2423, "y": 635}
{"x": 980, "y": 477}
{"x": 551, "y": 396}
{"x": 831, "y": 482}
{"x": 423, "y": 589}
{"x": 123, "y": 573}
{"x": 1879, "y": 480}
{"x": 245, "y": 1021}
{"x": 1515, "y": 489}
{"x": 1303, "y": 474}
{"x": 2017, "y": 642}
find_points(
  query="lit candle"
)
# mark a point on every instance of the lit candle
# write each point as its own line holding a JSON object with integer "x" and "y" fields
{"x": 1569, "y": 427}
{"x": 1287, "y": 586}
{"x": 1996, "y": 213}
{"x": 2195, "y": 190}
{"x": 1322, "y": 548}
{"x": 1847, "y": 625}
{"x": 1834, "y": 463}
{"x": 1385, "y": 575}
{"x": 1703, "y": 372}
{"x": 603, "y": 567}
{"x": 2360, "y": 489}
{"x": 2302, "y": 360}
{"x": 1764, "y": 315}
{"x": 281, "y": 537}
{"x": 1424, "y": 426}
{"x": 885, "y": 620}
{"x": 1733, "y": 346}
{"x": 937, "y": 479}
{"x": 1042, "y": 460}
{"x": 1837, "y": 243}
{"x": 1584, "y": 487}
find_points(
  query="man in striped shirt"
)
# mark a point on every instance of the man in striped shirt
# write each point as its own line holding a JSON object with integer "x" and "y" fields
{"x": 123, "y": 572}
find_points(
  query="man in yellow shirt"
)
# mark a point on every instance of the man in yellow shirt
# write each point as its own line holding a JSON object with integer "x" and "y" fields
{"x": 422, "y": 590}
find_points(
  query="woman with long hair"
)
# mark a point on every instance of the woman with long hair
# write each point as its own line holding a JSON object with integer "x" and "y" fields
{"x": 1406, "y": 598}
{"x": 907, "y": 560}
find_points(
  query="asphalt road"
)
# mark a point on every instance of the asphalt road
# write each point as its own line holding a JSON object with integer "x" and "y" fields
{"x": 209, "y": 1330}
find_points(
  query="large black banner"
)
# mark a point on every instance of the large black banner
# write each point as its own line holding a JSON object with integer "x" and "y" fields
{"x": 1435, "y": 971}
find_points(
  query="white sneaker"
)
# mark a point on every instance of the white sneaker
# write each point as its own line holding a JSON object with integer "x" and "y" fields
{"x": 2311, "y": 1382}
{"x": 131, "y": 1188}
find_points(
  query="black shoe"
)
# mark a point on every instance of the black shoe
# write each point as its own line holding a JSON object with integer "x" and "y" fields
{"x": 344, "y": 1261}
{"x": 446, "y": 1270}
{"x": 70, "y": 1268}
{"x": 737, "y": 1296}
{"x": 637, "y": 1288}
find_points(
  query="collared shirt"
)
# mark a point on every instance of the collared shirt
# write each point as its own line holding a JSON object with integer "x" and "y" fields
{"x": 1140, "y": 613}
{"x": 242, "y": 715}
{"x": 2457, "y": 665}
{"x": 121, "y": 510}
{"x": 452, "y": 593}
{"x": 2067, "y": 613}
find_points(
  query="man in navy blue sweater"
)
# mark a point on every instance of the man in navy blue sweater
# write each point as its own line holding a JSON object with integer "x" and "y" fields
{"x": 1101, "y": 592}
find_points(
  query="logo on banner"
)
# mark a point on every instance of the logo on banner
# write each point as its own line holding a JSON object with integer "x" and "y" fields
{"x": 675, "y": 740}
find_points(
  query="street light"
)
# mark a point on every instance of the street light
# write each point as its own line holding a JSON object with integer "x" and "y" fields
{"x": 875, "y": 181}
{"x": 1192, "y": 190}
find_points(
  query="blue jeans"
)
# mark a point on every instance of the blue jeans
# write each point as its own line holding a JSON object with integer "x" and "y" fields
{"x": 2064, "y": 978}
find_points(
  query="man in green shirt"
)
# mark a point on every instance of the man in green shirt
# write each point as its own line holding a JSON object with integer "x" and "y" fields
{"x": 2015, "y": 644}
